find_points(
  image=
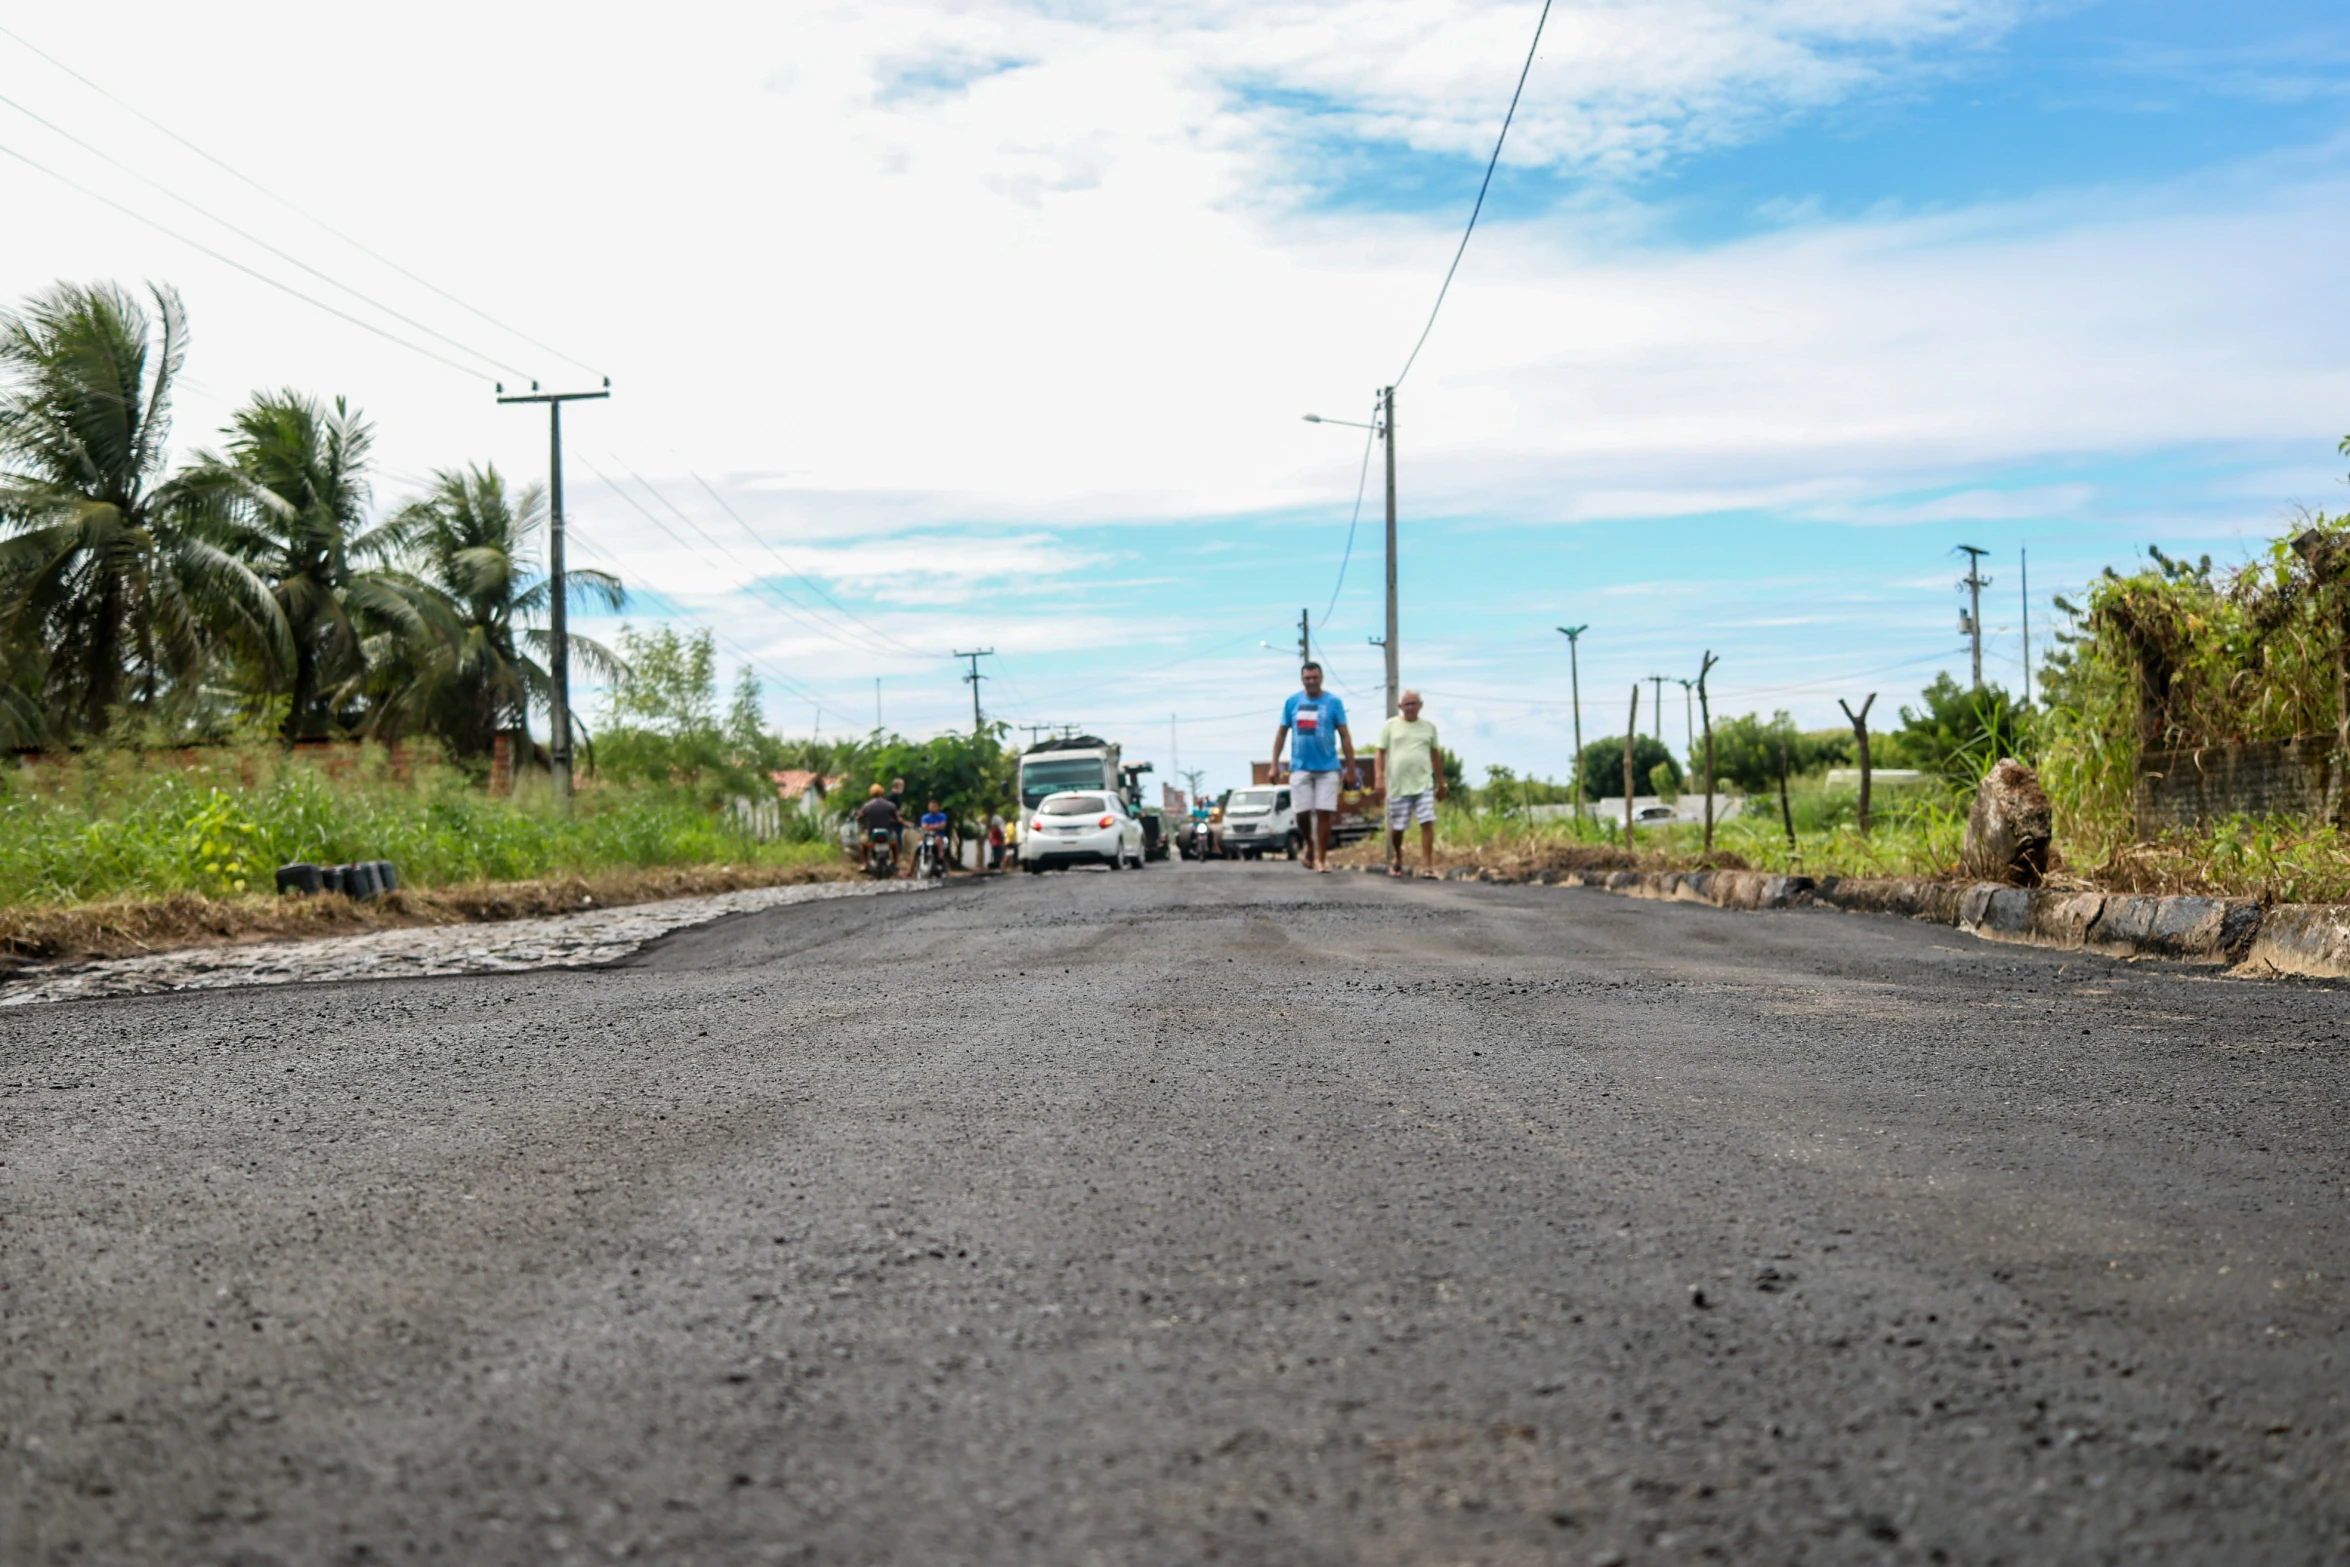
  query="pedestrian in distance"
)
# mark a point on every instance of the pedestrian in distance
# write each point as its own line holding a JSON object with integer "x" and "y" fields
{"x": 995, "y": 840}
{"x": 1318, "y": 720}
{"x": 1415, "y": 782}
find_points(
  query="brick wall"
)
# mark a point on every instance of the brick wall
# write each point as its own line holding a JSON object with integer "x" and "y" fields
{"x": 2297, "y": 777}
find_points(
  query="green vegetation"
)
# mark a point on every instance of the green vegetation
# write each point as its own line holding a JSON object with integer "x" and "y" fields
{"x": 122, "y": 823}
{"x": 248, "y": 586}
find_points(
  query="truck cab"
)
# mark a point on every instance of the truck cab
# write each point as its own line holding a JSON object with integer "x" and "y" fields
{"x": 1259, "y": 821}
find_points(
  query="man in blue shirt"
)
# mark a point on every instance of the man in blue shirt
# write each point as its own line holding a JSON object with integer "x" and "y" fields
{"x": 1319, "y": 722}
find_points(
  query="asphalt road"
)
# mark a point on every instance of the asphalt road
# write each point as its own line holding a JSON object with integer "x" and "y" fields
{"x": 1204, "y": 1214}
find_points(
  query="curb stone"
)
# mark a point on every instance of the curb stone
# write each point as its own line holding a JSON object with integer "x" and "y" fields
{"x": 2310, "y": 940}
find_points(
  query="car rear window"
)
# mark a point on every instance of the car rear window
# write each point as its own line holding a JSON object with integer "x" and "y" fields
{"x": 1076, "y": 805}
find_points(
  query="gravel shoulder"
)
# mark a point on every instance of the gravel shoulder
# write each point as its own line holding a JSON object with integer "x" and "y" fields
{"x": 1215, "y": 1212}
{"x": 579, "y": 940}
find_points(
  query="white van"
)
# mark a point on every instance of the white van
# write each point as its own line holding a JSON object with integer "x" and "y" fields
{"x": 1258, "y": 822}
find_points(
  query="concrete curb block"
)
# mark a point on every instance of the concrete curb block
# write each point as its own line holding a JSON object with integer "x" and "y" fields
{"x": 2307, "y": 939}
{"x": 2310, "y": 939}
{"x": 2295, "y": 939}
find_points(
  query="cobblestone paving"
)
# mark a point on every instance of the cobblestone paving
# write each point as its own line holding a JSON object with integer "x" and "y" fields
{"x": 558, "y": 941}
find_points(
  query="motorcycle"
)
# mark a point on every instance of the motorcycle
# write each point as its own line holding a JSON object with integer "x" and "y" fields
{"x": 930, "y": 858}
{"x": 881, "y": 854}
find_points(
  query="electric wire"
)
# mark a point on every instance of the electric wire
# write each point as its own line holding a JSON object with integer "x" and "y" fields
{"x": 254, "y": 239}
{"x": 1362, "y": 484}
{"x": 298, "y": 211}
{"x": 812, "y": 584}
{"x": 732, "y": 646}
{"x": 283, "y": 288}
{"x": 800, "y": 611}
{"x": 678, "y": 539}
{"x": 1482, "y": 187}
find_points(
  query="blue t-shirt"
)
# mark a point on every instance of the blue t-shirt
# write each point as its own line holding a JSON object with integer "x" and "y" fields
{"x": 1313, "y": 723}
{"x": 934, "y": 820}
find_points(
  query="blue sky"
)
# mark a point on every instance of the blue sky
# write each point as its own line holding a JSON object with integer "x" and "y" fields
{"x": 990, "y": 324}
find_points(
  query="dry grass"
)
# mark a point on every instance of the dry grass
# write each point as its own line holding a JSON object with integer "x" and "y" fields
{"x": 131, "y": 926}
{"x": 1529, "y": 854}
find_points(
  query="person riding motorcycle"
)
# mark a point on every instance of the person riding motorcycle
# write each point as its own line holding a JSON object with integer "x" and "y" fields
{"x": 934, "y": 833}
{"x": 880, "y": 813}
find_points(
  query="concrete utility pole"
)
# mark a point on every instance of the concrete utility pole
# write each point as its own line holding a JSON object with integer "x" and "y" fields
{"x": 877, "y": 704}
{"x": 2023, "y": 559}
{"x": 973, "y": 680}
{"x": 1658, "y": 681}
{"x": 1305, "y": 638}
{"x": 1575, "y": 675}
{"x": 1387, "y": 432}
{"x": 1705, "y": 711}
{"x": 1689, "y": 716}
{"x": 558, "y": 629}
{"x": 1975, "y": 582}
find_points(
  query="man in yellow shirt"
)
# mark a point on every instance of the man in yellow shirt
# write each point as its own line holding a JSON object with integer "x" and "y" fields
{"x": 1415, "y": 782}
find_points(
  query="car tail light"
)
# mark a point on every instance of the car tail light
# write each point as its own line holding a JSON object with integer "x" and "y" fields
{"x": 1038, "y": 824}
{"x": 1109, "y": 821}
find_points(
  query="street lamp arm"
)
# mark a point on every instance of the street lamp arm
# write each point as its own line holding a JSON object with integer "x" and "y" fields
{"x": 1352, "y": 424}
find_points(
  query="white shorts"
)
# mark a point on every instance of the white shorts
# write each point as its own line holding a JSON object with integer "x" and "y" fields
{"x": 1313, "y": 791}
{"x": 1405, "y": 809}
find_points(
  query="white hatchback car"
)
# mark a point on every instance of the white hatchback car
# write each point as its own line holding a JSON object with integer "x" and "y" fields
{"x": 1077, "y": 827}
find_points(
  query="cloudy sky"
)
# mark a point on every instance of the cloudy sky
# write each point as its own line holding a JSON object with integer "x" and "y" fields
{"x": 938, "y": 326}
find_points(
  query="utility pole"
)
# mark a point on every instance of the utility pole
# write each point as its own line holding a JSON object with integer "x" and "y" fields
{"x": 1305, "y": 639}
{"x": 1705, "y": 711}
{"x": 973, "y": 680}
{"x": 1387, "y": 433}
{"x": 1575, "y": 674}
{"x": 1658, "y": 681}
{"x": 2024, "y": 564}
{"x": 558, "y": 628}
{"x": 877, "y": 704}
{"x": 1975, "y": 582}
{"x": 1689, "y": 716}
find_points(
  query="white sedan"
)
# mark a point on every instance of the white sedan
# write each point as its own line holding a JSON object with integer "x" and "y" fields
{"x": 1080, "y": 828}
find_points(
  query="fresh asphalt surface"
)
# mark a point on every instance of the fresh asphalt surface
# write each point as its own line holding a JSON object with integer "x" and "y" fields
{"x": 1214, "y": 1213}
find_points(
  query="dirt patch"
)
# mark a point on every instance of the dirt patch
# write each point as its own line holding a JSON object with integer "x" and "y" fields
{"x": 129, "y": 927}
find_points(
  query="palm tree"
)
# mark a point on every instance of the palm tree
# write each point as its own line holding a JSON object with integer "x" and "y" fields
{"x": 293, "y": 483}
{"x": 471, "y": 546}
{"x": 105, "y": 574}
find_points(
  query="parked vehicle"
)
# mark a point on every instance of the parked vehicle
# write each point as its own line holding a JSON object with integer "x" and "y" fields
{"x": 1090, "y": 827}
{"x": 881, "y": 854}
{"x": 1362, "y": 810}
{"x": 1258, "y": 822}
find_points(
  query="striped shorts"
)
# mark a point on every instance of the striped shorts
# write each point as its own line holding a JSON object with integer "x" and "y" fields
{"x": 1405, "y": 809}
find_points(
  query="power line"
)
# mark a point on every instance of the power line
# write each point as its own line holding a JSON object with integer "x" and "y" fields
{"x": 812, "y": 584}
{"x": 283, "y": 288}
{"x": 1482, "y": 187}
{"x": 1362, "y": 483}
{"x": 689, "y": 549}
{"x": 290, "y": 206}
{"x": 463, "y": 347}
{"x": 752, "y": 583}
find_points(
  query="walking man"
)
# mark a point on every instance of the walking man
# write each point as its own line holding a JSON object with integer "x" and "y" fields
{"x": 1415, "y": 782}
{"x": 1319, "y": 722}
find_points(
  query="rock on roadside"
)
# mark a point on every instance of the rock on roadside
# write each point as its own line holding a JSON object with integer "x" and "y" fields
{"x": 2008, "y": 831}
